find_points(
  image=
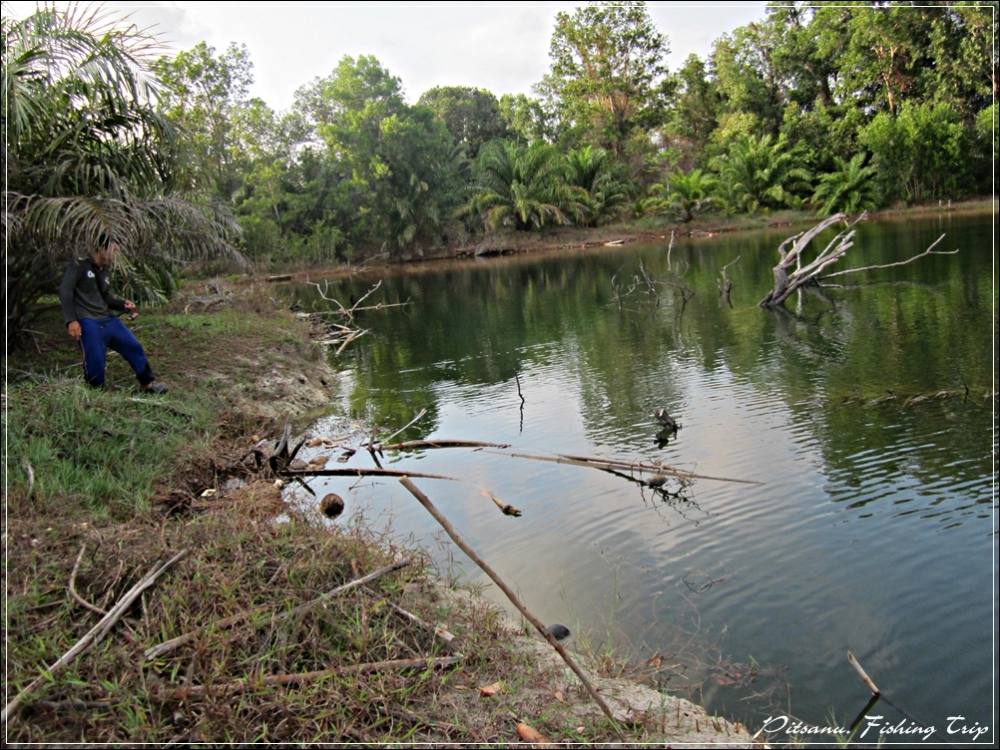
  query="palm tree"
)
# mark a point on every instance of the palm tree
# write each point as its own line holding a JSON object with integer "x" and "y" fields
{"x": 519, "y": 187}
{"x": 87, "y": 155}
{"x": 762, "y": 173}
{"x": 849, "y": 189}
{"x": 687, "y": 195}
{"x": 596, "y": 193}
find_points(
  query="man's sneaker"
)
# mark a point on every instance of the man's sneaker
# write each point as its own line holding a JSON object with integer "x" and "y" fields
{"x": 154, "y": 387}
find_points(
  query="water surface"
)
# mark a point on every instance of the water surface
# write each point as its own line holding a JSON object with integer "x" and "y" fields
{"x": 872, "y": 530}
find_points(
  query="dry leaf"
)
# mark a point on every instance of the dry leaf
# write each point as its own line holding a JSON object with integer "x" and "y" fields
{"x": 318, "y": 462}
{"x": 489, "y": 690}
{"x": 558, "y": 695}
{"x": 316, "y": 442}
{"x": 655, "y": 661}
{"x": 529, "y": 734}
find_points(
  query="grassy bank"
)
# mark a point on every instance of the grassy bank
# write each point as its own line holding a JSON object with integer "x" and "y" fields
{"x": 102, "y": 484}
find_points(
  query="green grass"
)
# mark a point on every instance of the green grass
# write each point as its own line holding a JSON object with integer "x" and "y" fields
{"x": 100, "y": 450}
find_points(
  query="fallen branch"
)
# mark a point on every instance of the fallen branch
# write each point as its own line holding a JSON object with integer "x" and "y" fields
{"x": 258, "y": 614}
{"x": 447, "y": 638}
{"x": 72, "y": 585}
{"x": 603, "y": 464}
{"x": 417, "y": 418}
{"x": 928, "y": 251}
{"x": 301, "y": 678}
{"x": 93, "y": 636}
{"x": 352, "y": 337}
{"x": 450, "y": 530}
{"x": 416, "y": 445}
{"x": 31, "y": 479}
{"x": 505, "y": 508}
{"x": 856, "y": 665}
{"x": 360, "y": 472}
{"x": 787, "y": 281}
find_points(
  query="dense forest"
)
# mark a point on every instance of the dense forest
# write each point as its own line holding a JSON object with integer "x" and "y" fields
{"x": 823, "y": 108}
{"x": 834, "y": 108}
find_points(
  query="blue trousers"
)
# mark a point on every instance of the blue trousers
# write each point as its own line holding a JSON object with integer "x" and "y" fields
{"x": 110, "y": 333}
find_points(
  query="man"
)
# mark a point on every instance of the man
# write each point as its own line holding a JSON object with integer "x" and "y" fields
{"x": 87, "y": 302}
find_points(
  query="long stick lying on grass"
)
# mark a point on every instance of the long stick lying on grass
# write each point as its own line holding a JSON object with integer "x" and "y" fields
{"x": 450, "y": 530}
{"x": 264, "y": 613}
{"x": 447, "y": 638}
{"x": 299, "y": 678}
{"x": 93, "y": 636}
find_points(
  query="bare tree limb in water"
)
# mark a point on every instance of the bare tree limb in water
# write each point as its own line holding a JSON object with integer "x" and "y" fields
{"x": 787, "y": 281}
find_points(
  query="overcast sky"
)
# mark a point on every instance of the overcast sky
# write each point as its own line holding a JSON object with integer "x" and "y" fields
{"x": 503, "y": 47}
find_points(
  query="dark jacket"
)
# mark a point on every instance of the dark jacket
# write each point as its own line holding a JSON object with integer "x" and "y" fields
{"x": 85, "y": 292}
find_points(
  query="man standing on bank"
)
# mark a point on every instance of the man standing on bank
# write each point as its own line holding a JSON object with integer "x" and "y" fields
{"x": 87, "y": 304}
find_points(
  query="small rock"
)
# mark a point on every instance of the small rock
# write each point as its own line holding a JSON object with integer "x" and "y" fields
{"x": 557, "y": 631}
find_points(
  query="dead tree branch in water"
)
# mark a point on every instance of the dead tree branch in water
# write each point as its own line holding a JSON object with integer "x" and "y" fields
{"x": 450, "y": 530}
{"x": 929, "y": 251}
{"x": 787, "y": 280}
{"x": 725, "y": 283}
{"x": 342, "y": 335}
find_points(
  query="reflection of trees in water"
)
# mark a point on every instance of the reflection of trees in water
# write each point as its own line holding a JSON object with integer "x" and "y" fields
{"x": 482, "y": 326}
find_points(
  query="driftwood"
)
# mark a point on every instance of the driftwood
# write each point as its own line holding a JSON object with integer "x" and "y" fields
{"x": 856, "y": 665}
{"x": 929, "y": 251}
{"x": 450, "y": 530}
{"x": 301, "y": 678}
{"x": 416, "y": 445}
{"x": 259, "y": 613}
{"x": 419, "y": 415}
{"x": 93, "y": 636}
{"x": 603, "y": 464}
{"x": 359, "y": 472}
{"x": 788, "y": 280}
{"x": 725, "y": 283}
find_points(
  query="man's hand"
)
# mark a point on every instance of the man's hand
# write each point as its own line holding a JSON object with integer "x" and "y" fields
{"x": 131, "y": 309}
{"x": 74, "y": 330}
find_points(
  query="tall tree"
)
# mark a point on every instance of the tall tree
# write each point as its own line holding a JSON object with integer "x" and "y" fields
{"x": 471, "y": 115}
{"x": 403, "y": 165}
{"x": 608, "y": 72}
{"x": 528, "y": 119}
{"x": 204, "y": 93}
{"x": 747, "y": 78}
{"x": 695, "y": 109}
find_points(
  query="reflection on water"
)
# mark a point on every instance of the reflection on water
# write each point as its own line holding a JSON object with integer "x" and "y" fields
{"x": 863, "y": 410}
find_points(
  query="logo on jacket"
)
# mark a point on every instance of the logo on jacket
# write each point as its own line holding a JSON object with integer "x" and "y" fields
{"x": 90, "y": 274}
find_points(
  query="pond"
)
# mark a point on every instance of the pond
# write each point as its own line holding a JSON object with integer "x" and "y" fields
{"x": 872, "y": 528}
